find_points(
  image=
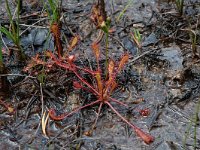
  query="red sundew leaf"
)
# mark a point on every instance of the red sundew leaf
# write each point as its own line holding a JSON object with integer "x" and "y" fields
{"x": 114, "y": 85}
{"x": 147, "y": 138}
{"x": 96, "y": 50}
{"x": 111, "y": 66}
{"x": 55, "y": 29}
{"x": 96, "y": 15}
{"x": 99, "y": 82}
{"x": 77, "y": 85}
{"x": 123, "y": 61}
{"x": 110, "y": 80}
{"x": 73, "y": 42}
{"x": 52, "y": 115}
{"x": 111, "y": 83}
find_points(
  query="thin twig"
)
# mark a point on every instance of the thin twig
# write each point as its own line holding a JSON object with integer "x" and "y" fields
{"x": 33, "y": 26}
{"x": 42, "y": 98}
{"x": 21, "y": 75}
{"x": 138, "y": 57}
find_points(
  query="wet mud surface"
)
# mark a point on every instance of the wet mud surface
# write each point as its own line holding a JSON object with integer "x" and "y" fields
{"x": 160, "y": 83}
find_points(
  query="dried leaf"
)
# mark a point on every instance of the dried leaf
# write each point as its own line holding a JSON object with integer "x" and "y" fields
{"x": 44, "y": 122}
{"x": 123, "y": 61}
{"x": 11, "y": 109}
{"x": 73, "y": 42}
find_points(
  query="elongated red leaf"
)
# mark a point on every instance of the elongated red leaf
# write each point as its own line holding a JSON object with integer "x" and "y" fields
{"x": 96, "y": 50}
{"x": 55, "y": 29}
{"x": 73, "y": 42}
{"x": 147, "y": 138}
{"x": 99, "y": 82}
{"x": 123, "y": 61}
{"x": 111, "y": 66}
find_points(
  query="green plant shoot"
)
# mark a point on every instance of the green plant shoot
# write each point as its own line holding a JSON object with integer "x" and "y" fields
{"x": 137, "y": 37}
{"x": 179, "y": 5}
{"x": 124, "y": 10}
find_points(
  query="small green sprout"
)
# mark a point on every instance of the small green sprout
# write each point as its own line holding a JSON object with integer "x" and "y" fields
{"x": 179, "y": 5}
{"x": 124, "y": 10}
{"x": 137, "y": 37}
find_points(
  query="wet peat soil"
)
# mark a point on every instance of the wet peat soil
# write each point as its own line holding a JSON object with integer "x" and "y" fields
{"x": 164, "y": 72}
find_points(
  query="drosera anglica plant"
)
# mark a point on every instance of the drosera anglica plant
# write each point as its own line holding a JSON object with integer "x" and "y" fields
{"x": 102, "y": 88}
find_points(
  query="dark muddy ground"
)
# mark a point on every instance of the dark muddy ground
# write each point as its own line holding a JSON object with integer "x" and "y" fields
{"x": 165, "y": 72}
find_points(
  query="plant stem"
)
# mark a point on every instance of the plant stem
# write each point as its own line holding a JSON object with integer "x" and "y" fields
{"x": 52, "y": 112}
{"x": 114, "y": 100}
{"x": 107, "y": 44}
{"x": 86, "y": 83}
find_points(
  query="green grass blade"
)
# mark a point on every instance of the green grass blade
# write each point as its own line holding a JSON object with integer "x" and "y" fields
{"x": 7, "y": 33}
{"x": 124, "y": 10}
